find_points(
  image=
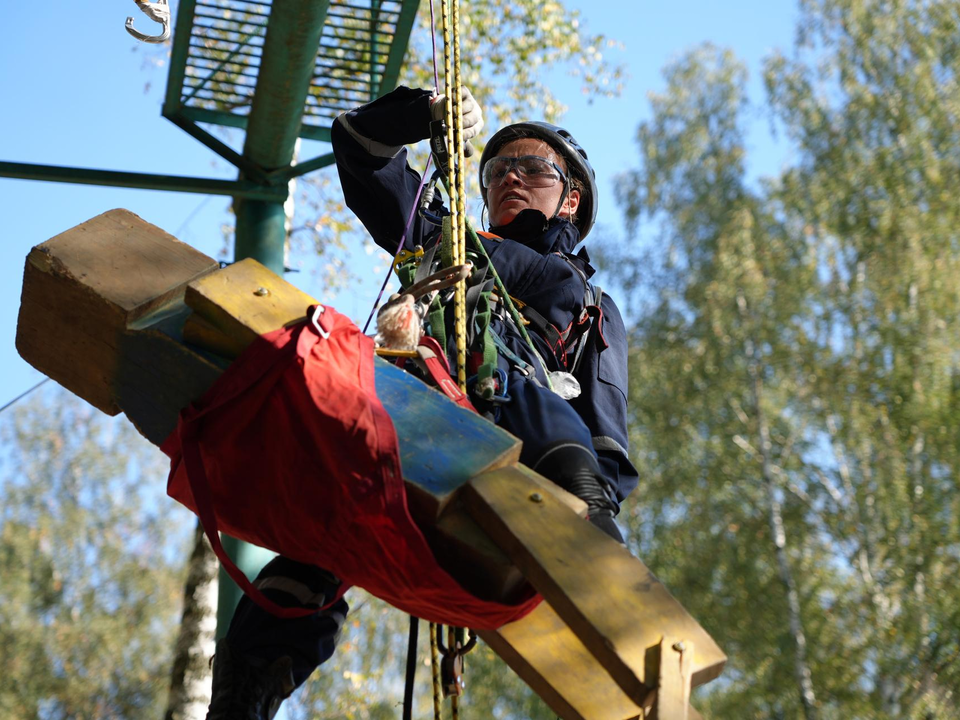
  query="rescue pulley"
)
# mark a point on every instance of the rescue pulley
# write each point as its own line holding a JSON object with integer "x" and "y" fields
{"x": 451, "y": 664}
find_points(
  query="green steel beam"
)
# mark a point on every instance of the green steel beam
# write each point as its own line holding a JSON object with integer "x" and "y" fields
{"x": 261, "y": 233}
{"x": 249, "y": 169}
{"x": 287, "y": 174}
{"x": 215, "y": 117}
{"x": 401, "y": 39}
{"x": 374, "y": 17}
{"x": 143, "y": 181}
{"x": 222, "y": 117}
{"x": 178, "y": 56}
{"x": 286, "y": 68}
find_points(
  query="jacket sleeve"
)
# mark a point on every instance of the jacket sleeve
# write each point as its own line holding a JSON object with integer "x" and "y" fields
{"x": 603, "y": 401}
{"x": 378, "y": 185}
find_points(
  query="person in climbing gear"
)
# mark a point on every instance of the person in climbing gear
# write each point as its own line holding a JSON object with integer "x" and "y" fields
{"x": 540, "y": 194}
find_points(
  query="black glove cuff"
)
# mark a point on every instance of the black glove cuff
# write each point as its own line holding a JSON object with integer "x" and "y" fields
{"x": 400, "y": 117}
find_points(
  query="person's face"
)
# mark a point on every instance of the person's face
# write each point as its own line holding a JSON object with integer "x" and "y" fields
{"x": 512, "y": 195}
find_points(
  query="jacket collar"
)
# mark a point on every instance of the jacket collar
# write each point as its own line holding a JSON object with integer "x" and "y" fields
{"x": 558, "y": 235}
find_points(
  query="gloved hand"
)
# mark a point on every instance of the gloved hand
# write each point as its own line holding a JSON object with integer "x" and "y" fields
{"x": 469, "y": 109}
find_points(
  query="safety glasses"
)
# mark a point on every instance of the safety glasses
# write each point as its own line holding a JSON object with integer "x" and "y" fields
{"x": 534, "y": 171}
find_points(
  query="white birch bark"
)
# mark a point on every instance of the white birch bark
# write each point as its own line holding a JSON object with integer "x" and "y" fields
{"x": 191, "y": 673}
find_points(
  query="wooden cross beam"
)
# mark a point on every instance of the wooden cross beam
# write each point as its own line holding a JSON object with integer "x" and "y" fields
{"x": 132, "y": 320}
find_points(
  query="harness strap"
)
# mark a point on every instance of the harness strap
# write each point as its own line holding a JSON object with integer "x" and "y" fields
{"x": 592, "y": 320}
{"x": 548, "y": 331}
{"x": 433, "y": 361}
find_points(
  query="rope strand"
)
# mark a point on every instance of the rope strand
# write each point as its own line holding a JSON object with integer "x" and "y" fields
{"x": 435, "y": 662}
{"x": 459, "y": 228}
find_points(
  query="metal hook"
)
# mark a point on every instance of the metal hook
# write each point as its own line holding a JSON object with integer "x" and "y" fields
{"x": 159, "y": 12}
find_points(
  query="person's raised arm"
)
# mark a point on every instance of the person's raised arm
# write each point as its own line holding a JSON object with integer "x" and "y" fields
{"x": 368, "y": 144}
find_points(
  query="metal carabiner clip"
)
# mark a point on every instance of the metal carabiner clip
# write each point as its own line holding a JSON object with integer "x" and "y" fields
{"x": 157, "y": 11}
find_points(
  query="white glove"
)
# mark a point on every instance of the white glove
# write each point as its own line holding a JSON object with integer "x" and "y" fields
{"x": 469, "y": 109}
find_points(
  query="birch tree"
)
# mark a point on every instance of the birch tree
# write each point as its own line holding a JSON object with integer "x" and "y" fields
{"x": 796, "y": 365}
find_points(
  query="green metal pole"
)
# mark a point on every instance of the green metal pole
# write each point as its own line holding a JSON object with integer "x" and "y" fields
{"x": 286, "y": 67}
{"x": 261, "y": 233}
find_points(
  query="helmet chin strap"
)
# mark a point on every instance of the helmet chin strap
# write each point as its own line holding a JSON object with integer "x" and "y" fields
{"x": 563, "y": 198}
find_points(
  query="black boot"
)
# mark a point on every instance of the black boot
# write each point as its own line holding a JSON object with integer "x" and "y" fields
{"x": 244, "y": 692}
{"x": 575, "y": 469}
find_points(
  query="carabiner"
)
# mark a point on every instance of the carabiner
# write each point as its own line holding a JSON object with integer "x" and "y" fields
{"x": 157, "y": 11}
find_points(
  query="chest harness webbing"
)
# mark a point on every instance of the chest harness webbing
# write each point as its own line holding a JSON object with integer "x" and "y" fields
{"x": 567, "y": 345}
{"x": 586, "y": 326}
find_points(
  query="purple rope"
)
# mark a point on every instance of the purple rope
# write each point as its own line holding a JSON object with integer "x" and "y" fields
{"x": 433, "y": 37}
{"x": 403, "y": 242}
{"x": 423, "y": 180}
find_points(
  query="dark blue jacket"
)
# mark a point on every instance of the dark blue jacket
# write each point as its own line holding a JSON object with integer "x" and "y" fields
{"x": 380, "y": 188}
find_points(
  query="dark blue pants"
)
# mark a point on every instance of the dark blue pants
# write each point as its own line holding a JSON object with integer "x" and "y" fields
{"x": 542, "y": 419}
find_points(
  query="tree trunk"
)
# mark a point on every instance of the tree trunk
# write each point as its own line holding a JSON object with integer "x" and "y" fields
{"x": 190, "y": 677}
{"x": 801, "y": 667}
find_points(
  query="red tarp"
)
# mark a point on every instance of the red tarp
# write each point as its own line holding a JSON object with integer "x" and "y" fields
{"x": 292, "y": 450}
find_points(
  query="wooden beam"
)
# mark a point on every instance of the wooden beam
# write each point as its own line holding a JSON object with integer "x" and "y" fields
{"x": 675, "y": 667}
{"x": 608, "y": 598}
{"x": 82, "y": 290}
{"x": 548, "y": 657}
{"x": 103, "y": 313}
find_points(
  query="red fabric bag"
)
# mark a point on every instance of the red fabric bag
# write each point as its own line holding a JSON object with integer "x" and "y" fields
{"x": 291, "y": 450}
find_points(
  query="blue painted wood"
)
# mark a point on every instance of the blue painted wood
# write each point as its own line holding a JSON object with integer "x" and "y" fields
{"x": 442, "y": 445}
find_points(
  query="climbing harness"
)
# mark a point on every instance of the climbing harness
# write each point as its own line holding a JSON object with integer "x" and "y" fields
{"x": 477, "y": 295}
{"x": 158, "y": 11}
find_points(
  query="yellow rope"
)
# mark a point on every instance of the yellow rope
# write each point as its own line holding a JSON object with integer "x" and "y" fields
{"x": 458, "y": 232}
{"x": 461, "y": 225}
{"x": 435, "y": 662}
{"x": 454, "y": 121}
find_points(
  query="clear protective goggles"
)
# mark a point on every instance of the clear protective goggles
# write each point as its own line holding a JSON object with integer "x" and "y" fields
{"x": 533, "y": 171}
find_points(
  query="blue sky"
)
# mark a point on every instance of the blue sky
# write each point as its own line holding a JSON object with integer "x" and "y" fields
{"x": 75, "y": 92}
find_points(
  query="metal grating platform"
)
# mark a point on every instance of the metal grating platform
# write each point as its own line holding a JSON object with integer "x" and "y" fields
{"x": 218, "y": 47}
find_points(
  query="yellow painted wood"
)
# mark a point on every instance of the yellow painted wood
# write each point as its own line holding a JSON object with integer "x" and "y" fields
{"x": 673, "y": 682}
{"x": 459, "y": 539}
{"x": 246, "y": 300}
{"x": 609, "y": 598}
{"x": 391, "y": 353}
{"x": 84, "y": 287}
{"x": 203, "y": 334}
{"x": 549, "y": 658}
{"x": 103, "y": 314}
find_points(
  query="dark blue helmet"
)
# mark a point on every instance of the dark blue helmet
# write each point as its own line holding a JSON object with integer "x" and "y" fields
{"x": 578, "y": 165}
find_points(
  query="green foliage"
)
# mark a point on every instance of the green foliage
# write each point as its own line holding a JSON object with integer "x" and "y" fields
{"x": 799, "y": 358}
{"x": 89, "y": 587}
